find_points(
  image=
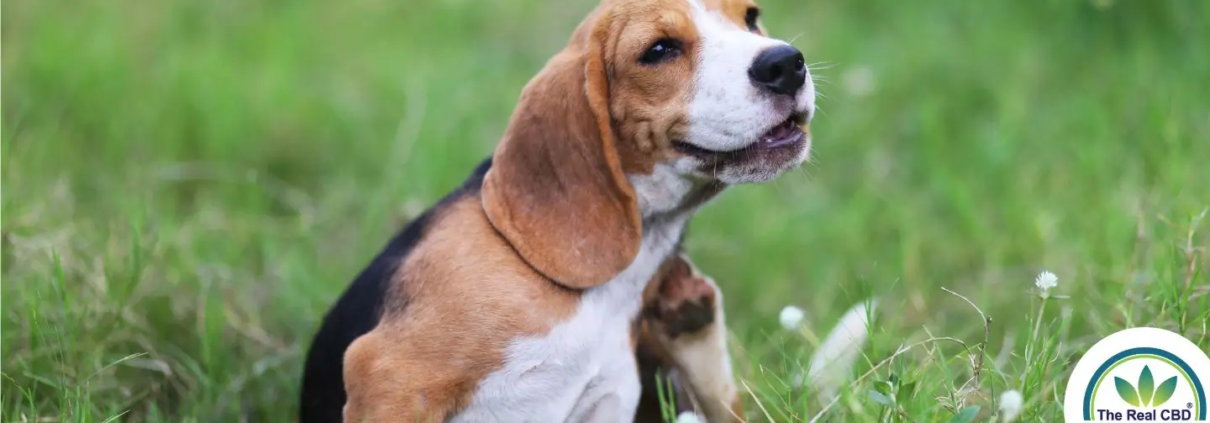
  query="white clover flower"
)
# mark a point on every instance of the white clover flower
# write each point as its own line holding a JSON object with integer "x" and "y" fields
{"x": 790, "y": 317}
{"x": 1010, "y": 403}
{"x": 1046, "y": 281}
{"x": 689, "y": 417}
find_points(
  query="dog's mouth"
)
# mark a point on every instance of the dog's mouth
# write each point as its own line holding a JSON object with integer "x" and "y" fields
{"x": 785, "y": 135}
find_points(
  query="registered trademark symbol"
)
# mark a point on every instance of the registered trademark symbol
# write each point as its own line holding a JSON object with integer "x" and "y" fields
{"x": 1188, "y": 405}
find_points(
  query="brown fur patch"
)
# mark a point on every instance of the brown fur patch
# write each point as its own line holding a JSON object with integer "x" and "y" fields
{"x": 734, "y": 10}
{"x": 556, "y": 189}
{"x": 469, "y": 295}
{"x": 649, "y": 103}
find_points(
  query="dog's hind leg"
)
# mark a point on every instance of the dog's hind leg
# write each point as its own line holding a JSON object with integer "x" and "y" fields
{"x": 682, "y": 344}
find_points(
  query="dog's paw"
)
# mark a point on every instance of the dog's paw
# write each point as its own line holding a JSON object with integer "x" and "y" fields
{"x": 684, "y": 302}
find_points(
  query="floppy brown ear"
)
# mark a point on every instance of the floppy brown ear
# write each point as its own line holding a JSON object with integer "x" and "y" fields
{"x": 556, "y": 190}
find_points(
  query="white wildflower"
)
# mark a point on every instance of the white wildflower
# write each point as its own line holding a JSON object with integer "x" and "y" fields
{"x": 689, "y": 417}
{"x": 790, "y": 317}
{"x": 1010, "y": 405}
{"x": 1046, "y": 281}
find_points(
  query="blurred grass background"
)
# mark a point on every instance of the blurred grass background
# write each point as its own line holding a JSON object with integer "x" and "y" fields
{"x": 188, "y": 185}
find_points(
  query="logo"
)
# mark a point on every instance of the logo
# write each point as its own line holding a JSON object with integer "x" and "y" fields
{"x": 1139, "y": 374}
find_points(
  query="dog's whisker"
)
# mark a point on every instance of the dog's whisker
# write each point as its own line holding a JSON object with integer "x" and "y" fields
{"x": 821, "y": 65}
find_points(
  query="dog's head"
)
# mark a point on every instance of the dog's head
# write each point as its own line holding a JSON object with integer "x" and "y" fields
{"x": 651, "y": 103}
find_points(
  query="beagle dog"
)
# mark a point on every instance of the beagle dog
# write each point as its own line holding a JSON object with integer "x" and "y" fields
{"x": 550, "y": 285}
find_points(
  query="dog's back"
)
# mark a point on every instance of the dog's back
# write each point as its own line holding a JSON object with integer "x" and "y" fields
{"x": 358, "y": 311}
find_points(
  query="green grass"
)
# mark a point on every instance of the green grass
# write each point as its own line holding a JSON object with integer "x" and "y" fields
{"x": 188, "y": 185}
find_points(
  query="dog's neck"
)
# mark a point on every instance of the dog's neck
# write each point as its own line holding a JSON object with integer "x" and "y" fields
{"x": 663, "y": 230}
{"x": 666, "y": 196}
{"x": 667, "y": 202}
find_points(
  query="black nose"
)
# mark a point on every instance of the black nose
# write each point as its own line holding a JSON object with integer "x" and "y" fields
{"x": 779, "y": 69}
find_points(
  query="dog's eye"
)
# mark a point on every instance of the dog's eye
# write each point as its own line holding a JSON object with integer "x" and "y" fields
{"x": 662, "y": 50}
{"x": 751, "y": 17}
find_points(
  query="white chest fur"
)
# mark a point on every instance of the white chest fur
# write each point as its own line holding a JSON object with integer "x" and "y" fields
{"x": 584, "y": 369}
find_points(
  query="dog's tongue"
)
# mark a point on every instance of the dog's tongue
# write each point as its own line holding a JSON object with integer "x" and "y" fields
{"x": 780, "y": 132}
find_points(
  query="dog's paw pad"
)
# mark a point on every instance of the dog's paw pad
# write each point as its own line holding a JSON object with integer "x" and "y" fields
{"x": 685, "y": 303}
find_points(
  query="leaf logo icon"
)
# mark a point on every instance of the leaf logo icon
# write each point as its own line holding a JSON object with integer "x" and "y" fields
{"x": 1147, "y": 395}
{"x": 1164, "y": 392}
{"x": 1146, "y": 386}
{"x": 1126, "y": 391}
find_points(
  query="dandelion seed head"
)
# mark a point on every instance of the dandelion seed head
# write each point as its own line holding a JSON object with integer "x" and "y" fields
{"x": 1010, "y": 405}
{"x": 790, "y": 317}
{"x": 1046, "y": 280}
